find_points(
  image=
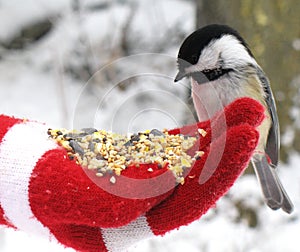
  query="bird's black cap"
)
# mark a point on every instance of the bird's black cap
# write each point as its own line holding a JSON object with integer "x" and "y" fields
{"x": 193, "y": 45}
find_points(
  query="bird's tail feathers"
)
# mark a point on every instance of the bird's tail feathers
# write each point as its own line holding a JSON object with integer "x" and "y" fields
{"x": 273, "y": 191}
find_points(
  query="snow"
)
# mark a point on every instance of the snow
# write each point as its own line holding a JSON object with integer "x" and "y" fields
{"x": 36, "y": 83}
{"x": 12, "y": 241}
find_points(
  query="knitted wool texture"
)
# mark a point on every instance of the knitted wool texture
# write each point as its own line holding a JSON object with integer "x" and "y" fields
{"x": 44, "y": 192}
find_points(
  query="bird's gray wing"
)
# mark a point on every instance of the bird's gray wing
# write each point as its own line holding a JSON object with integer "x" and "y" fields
{"x": 272, "y": 145}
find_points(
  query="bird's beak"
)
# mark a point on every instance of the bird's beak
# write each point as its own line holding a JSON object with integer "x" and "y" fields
{"x": 180, "y": 75}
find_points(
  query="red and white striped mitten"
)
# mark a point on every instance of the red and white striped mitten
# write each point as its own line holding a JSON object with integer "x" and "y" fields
{"x": 42, "y": 191}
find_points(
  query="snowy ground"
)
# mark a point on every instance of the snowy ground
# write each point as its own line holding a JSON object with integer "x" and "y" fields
{"x": 36, "y": 83}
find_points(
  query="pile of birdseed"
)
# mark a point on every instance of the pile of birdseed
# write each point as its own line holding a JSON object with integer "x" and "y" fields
{"x": 110, "y": 153}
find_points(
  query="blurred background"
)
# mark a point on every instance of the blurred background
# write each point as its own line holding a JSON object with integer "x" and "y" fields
{"x": 111, "y": 64}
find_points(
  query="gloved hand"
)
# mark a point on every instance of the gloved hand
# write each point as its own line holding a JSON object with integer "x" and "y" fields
{"x": 42, "y": 191}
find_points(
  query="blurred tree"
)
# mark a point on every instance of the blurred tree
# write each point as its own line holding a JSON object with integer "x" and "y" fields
{"x": 272, "y": 30}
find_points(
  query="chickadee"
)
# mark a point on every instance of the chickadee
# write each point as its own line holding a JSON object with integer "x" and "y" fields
{"x": 222, "y": 69}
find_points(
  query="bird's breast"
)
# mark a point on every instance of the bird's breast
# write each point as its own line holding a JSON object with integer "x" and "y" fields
{"x": 211, "y": 97}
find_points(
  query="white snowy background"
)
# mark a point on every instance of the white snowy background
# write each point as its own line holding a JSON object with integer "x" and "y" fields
{"x": 50, "y": 81}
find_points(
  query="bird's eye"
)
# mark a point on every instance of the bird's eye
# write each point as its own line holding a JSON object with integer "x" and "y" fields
{"x": 194, "y": 58}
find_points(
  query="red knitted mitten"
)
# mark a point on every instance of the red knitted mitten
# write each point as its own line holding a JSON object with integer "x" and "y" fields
{"x": 43, "y": 191}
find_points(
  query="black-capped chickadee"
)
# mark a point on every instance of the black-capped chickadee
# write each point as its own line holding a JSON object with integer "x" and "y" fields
{"x": 222, "y": 69}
